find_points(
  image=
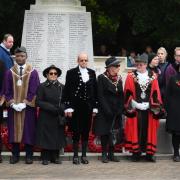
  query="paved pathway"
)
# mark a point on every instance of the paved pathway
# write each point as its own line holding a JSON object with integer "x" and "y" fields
{"x": 125, "y": 170}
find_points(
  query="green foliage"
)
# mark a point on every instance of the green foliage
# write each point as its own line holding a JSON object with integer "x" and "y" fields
{"x": 132, "y": 23}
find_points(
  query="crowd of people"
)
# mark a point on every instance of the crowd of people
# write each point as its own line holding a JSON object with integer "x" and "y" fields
{"x": 38, "y": 112}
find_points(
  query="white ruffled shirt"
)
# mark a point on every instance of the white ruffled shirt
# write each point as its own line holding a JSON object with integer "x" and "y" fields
{"x": 84, "y": 74}
{"x": 143, "y": 77}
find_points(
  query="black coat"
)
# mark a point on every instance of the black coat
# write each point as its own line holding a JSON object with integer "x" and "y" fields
{"x": 50, "y": 135}
{"x": 81, "y": 97}
{"x": 172, "y": 104}
{"x": 110, "y": 105}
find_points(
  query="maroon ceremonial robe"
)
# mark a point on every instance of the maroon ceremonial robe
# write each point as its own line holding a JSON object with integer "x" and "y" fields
{"x": 132, "y": 140}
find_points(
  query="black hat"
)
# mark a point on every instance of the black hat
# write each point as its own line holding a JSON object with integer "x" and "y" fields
{"x": 46, "y": 71}
{"x": 141, "y": 58}
{"x": 112, "y": 61}
{"x": 151, "y": 56}
{"x": 20, "y": 49}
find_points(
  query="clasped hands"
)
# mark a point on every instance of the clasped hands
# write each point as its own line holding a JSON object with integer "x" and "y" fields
{"x": 141, "y": 106}
{"x": 18, "y": 107}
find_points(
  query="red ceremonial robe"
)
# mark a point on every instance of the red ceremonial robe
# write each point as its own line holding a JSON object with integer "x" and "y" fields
{"x": 131, "y": 125}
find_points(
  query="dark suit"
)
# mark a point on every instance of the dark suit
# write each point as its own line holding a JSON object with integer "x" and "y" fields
{"x": 81, "y": 97}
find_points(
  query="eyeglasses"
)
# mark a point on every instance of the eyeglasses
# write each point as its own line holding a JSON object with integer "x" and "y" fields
{"x": 83, "y": 60}
{"x": 53, "y": 73}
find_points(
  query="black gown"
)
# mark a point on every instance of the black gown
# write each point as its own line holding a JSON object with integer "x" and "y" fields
{"x": 173, "y": 104}
{"x": 50, "y": 135}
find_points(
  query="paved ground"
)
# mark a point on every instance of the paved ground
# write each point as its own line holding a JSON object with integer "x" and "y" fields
{"x": 164, "y": 169}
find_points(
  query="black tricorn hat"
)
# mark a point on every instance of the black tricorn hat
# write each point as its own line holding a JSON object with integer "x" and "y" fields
{"x": 112, "y": 61}
{"x": 142, "y": 59}
{"x": 46, "y": 71}
{"x": 20, "y": 49}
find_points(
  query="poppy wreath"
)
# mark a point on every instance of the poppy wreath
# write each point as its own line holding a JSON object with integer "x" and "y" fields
{"x": 95, "y": 144}
{"x": 69, "y": 144}
{"x": 4, "y": 135}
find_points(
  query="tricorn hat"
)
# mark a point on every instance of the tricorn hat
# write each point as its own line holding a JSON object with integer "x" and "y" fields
{"x": 141, "y": 58}
{"x": 20, "y": 49}
{"x": 46, "y": 71}
{"x": 112, "y": 61}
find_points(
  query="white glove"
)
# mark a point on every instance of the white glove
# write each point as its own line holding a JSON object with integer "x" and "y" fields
{"x": 140, "y": 106}
{"x": 21, "y": 106}
{"x": 136, "y": 105}
{"x": 15, "y": 107}
{"x": 146, "y": 105}
{"x": 143, "y": 106}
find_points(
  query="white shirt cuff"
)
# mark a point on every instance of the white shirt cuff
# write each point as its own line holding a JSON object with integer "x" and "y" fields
{"x": 95, "y": 110}
{"x": 69, "y": 110}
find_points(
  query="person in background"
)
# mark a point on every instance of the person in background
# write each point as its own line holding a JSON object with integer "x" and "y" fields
{"x": 81, "y": 104}
{"x": 102, "y": 51}
{"x": 142, "y": 107}
{"x": 50, "y": 130}
{"x": 110, "y": 107}
{"x": 20, "y": 91}
{"x": 173, "y": 68}
{"x": 172, "y": 102}
{"x": 163, "y": 64}
{"x": 6, "y": 62}
{"x": 131, "y": 59}
{"x": 5, "y": 47}
{"x": 153, "y": 64}
{"x": 148, "y": 50}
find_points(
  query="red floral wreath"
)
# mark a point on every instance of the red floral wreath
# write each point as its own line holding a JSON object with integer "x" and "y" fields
{"x": 95, "y": 144}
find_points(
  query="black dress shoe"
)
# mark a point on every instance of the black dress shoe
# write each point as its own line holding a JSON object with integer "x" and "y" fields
{"x": 135, "y": 157}
{"x": 150, "y": 158}
{"x": 14, "y": 160}
{"x": 76, "y": 160}
{"x": 104, "y": 158}
{"x": 29, "y": 161}
{"x": 1, "y": 159}
{"x": 56, "y": 161}
{"x": 176, "y": 158}
{"x": 84, "y": 160}
{"x": 45, "y": 162}
{"x": 113, "y": 158}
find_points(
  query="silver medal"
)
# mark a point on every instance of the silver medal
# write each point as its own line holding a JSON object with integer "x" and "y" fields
{"x": 143, "y": 95}
{"x": 19, "y": 82}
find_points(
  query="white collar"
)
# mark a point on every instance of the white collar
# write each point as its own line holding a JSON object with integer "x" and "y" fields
{"x": 83, "y": 69}
{"x": 143, "y": 74}
{"x": 143, "y": 77}
{"x": 23, "y": 66}
{"x": 2, "y": 45}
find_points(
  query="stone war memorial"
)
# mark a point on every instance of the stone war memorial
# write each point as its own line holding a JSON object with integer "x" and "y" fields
{"x": 55, "y": 32}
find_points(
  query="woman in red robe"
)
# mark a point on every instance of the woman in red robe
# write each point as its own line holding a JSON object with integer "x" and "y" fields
{"x": 143, "y": 106}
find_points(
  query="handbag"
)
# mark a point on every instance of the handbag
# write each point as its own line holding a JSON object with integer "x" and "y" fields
{"x": 62, "y": 119}
{"x": 116, "y": 133}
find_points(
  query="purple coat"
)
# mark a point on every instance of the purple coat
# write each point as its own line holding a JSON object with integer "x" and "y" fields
{"x": 30, "y": 114}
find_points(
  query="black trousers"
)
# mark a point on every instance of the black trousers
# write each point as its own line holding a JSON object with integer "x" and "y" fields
{"x": 176, "y": 143}
{"x": 81, "y": 123}
{"x": 16, "y": 150}
{"x": 106, "y": 144}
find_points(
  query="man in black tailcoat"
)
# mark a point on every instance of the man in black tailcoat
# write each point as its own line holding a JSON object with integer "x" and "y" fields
{"x": 80, "y": 99}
